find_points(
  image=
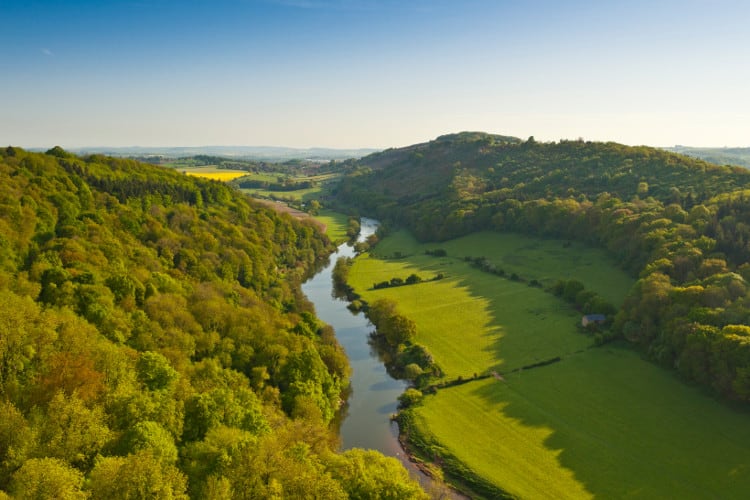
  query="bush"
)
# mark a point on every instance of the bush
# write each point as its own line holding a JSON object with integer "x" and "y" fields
{"x": 410, "y": 397}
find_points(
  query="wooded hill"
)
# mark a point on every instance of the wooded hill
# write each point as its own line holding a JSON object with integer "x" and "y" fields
{"x": 720, "y": 156}
{"x": 680, "y": 224}
{"x": 154, "y": 341}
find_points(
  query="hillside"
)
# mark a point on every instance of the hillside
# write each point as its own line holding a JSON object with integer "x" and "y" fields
{"x": 153, "y": 338}
{"x": 719, "y": 156}
{"x": 679, "y": 224}
{"x": 474, "y": 171}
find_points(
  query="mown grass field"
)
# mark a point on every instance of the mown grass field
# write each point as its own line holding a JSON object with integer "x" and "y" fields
{"x": 602, "y": 424}
{"x": 297, "y": 195}
{"x": 500, "y": 324}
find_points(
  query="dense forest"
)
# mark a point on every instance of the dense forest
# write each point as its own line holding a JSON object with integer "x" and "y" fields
{"x": 154, "y": 342}
{"x": 681, "y": 225}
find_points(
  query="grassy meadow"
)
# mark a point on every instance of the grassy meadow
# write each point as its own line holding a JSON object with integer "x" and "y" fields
{"x": 500, "y": 324}
{"x": 336, "y": 224}
{"x": 546, "y": 260}
{"x": 472, "y": 321}
{"x": 599, "y": 423}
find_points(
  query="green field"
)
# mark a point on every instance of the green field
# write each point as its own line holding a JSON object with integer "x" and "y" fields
{"x": 546, "y": 260}
{"x": 336, "y": 224}
{"x": 499, "y": 324}
{"x": 471, "y": 321}
{"x": 298, "y": 195}
{"x": 600, "y": 424}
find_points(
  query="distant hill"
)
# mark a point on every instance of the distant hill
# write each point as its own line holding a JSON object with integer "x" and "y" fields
{"x": 719, "y": 156}
{"x": 472, "y": 170}
{"x": 264, "y": 153}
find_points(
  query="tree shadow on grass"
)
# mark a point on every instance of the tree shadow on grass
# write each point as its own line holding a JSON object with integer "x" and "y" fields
{"x": 624, "y": 427}
{"x": 525, "y": 325}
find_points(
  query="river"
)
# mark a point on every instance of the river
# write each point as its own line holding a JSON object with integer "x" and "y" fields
{"x": 373, "y": 398}
{"x": 374, "y": 394}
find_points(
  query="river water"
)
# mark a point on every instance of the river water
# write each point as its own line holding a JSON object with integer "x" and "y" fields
{"x": 366, "y": 422}
{"x": 373, "y": 399}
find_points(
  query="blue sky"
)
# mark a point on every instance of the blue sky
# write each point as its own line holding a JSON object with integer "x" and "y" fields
{"x": 372, "y": 73}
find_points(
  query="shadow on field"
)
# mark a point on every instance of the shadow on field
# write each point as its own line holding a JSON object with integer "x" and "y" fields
{"x": 623, "y": 427}
{"x": 526, "y": 325}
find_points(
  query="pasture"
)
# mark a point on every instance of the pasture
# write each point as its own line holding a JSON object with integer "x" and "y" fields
{"x": 546, "y": 260}
{"x": 472, "y": 321}
{"x": 475, "y": 322}
{"x": 603, "y": 424}
{"x": 335, "y": 223}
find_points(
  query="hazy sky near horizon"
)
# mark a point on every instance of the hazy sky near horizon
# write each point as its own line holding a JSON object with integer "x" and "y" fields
{"x": 372, "y": 73}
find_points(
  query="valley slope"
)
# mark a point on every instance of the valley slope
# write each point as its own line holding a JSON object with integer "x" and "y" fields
{"x": 154, "y": 341}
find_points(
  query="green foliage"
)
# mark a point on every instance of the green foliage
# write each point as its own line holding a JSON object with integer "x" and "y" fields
{"x": 73, "y": 432}
{"x": 153, "y": 336}
{"x": 47, "y": 478}
{"x": 154, "y": 371}
{"x": 366, "y": 474}
{"x": 410, "y": 397}
{"x": 153, "y": 437}
{"x": 16, "y": 440}
{"x": 340, "y": 275}
{"x": 139, "y": 475}
{"x": 395, "y": 328}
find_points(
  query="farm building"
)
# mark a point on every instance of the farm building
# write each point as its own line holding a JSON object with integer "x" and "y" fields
{"x": 593, "y": 319}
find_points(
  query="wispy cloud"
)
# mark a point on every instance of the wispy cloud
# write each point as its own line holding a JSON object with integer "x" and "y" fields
{"x": 47, "y": 52}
